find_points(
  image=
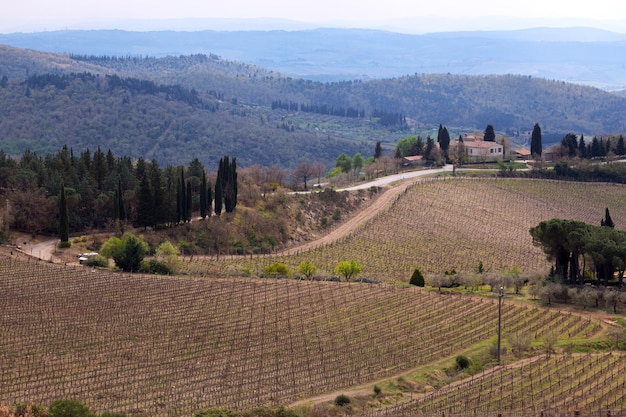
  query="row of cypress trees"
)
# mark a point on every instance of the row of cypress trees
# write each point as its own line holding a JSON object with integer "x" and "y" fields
{"x": 150, "y": 199}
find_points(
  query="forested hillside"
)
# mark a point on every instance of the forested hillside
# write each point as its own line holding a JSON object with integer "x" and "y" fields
{"x": 140, "y": 118}
{"x": 177, "y": 108}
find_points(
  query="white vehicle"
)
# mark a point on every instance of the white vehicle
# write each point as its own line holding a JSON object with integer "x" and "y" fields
{"x": 85, "y": 256}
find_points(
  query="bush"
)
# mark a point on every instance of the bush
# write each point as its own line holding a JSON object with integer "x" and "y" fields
{"x": 68, "y": 408}
{"x": 342, "y": 400}
{"x": 277, "y": 268}
{"x": 155, "y": 267}
{"x": 96, "y": 261}
{"x": 377, "y": 390}
{"x": 462, "y": 362}
{"x": 417, "y": 278}
{"x": 127, "y": 252}
{"x": 64, "y": 245}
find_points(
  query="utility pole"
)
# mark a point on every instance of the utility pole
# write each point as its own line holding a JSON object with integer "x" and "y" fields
{"x": 500, "y": 320}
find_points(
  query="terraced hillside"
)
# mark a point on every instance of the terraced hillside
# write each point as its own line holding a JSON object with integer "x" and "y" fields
{"x": 169, "y": 346}
{"x": 444, "y": 224}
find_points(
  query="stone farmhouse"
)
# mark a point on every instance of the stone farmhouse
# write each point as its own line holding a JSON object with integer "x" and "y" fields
{"x": 477, "y": 149}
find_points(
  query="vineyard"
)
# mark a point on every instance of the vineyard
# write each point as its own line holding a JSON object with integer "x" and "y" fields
{"x": 444, "y": 224}
{"x": 593, "y": 383}
{"x": 168, "y": 346}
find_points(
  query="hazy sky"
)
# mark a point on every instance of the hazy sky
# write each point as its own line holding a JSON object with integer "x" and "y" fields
{"x": 30, "y": 15}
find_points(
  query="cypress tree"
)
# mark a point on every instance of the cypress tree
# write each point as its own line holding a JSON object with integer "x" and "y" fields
{"x": 158, "y": 200}
{"x": 490, "y": 134}
{"x": 144, "y": 203}
{"x": 64, "y": 219}
{"x": 378, "y": 150}
{"x": 620, "y": 149}
{"x": 119, "y": 210}
{"x": 218, "y": 193}
{"x": 209, "y": 198}
{"x": 188, "y": 202}
{"x": 536, "y": 146}
{"x": 203, "y": 197}
{"x": 607, "y": 221}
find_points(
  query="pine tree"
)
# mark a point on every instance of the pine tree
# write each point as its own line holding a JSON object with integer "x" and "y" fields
{"x": 536, "y": 147}
{"x": 64, "y": 219}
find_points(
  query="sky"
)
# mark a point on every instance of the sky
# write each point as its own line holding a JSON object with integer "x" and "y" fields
{"x": 39, "y": 15}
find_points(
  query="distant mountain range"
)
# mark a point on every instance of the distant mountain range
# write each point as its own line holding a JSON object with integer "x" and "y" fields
{"x": 580, "y": 55}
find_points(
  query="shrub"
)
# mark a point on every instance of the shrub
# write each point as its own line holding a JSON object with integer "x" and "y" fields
{"x": 307, "y": 268}
{"x": 417, "y": 278}
{"x": 377, "y": 390}
{"x": 155, "y": 267}
{"x": 462, "y": 362}
{"x": 127, "y": 252}
{"x": 520, "y": 342}
{"x": 64, "y": 245}
{"x": 277, "y": 268}
{"x": 96, "y": 261}
{"x": 342, "y": 400}
{"x": 68, "y": 408}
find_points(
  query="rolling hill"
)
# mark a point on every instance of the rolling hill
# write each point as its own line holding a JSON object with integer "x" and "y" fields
{"x": 237, "y": 115}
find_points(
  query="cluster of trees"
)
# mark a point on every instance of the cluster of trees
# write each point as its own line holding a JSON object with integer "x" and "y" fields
{"x": 572, "y": 146}
{"x": 572, "y": 245}
{"x": 318, "y": 108}
{"x": 98, "y": 189}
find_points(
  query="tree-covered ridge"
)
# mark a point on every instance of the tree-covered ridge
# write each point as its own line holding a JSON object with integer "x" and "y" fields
{"x": 508, "y": 102}
{"x": 141, "y": 118}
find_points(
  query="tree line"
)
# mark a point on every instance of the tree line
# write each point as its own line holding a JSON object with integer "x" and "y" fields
{"x": 98, "y": 189}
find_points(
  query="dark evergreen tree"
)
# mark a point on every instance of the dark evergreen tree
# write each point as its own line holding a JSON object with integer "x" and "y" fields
{"x": 620, "y": 148}
{"x": 430, "y": 145}
{"x": 99, "y": 168}
{"x": 597, "y": 150}
{"x": 159, "y": 214}
{"x": 120, "y": 207}
{"x": 444, "y": 140}
{"x": 570, "y": 144}
{"x": 209, "y": 198}
{"x": 144, "y": 203}
{"x": 582, "y": 147}
{"x": 203, "y": 197}
{"x": 417, "y": 278}
{"x": 490, "y": 134}
{"x": 219, "y": 198}
{"x": 536, "y": 147}
{"x": 378, "y": 150}
{"x": 607, "y": 221}
{"x": 64, "y": 218}
{"x": 188, "y": 202}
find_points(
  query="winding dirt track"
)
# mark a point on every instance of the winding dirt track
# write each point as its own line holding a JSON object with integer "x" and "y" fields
{"x": 394, "y": 185}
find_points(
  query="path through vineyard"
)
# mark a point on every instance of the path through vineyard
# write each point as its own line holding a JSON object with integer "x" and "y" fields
{"x": 397, "y": 185}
